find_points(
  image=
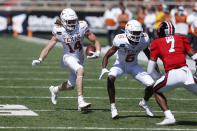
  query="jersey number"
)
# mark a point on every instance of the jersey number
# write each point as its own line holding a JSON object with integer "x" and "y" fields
{"x": 170, "y": 40}
{"x": 77, "y": 46}
{"x": 130, "y": 58}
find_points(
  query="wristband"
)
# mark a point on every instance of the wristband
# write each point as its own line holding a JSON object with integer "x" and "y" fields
{"x": 194, "y": 56}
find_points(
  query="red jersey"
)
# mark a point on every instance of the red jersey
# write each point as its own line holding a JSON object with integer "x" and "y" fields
{"x": 171, "y": 50}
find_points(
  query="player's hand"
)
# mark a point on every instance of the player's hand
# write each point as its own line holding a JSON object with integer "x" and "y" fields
{"x": 94, "y": 55}
{"x": 104, "y": 70}
{"x": 36, "y": 62}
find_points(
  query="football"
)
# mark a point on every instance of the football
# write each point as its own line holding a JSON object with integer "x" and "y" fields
{"x": 90, "y": 48}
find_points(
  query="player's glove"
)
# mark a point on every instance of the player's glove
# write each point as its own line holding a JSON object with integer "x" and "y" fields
{"x": 104, "y": 70}
{"x": 36, "y": 62}
{"x": 94, "y": 55}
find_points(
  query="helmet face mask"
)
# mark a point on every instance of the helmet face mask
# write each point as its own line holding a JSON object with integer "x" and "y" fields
{"x": 69, "y": 19}
{"x": 135, "y": 36}
{"x": 133, "y": 31}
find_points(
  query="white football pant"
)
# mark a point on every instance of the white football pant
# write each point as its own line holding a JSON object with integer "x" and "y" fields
{"x": 174, "y": 79}
{"x": 73, "y": 64}
{"x": 135, "y": 71}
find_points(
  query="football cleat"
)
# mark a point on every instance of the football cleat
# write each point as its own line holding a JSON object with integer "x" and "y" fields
{"x": 167, "y": 121}
{"x": 53, "y": 95}
{"x": 83, "y": 105}
{"x": 145, "y": 106}
{"x": 114, "y": 113}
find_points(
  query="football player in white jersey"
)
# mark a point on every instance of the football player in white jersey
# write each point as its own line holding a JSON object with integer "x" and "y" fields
{"x": 70, "y": 32}
{"x": 128, "y": 45}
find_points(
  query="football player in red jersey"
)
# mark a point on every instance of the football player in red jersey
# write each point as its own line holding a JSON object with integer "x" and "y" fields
{"x": 171, "y": 49}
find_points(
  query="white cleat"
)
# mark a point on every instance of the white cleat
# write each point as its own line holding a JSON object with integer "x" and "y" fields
{"x": 145, "y": 106}
{"x": 114, "y": 113}
{"x": 53, "y": 95}
{"x": 83, "y": 105}
{"x": 167, "y": 121}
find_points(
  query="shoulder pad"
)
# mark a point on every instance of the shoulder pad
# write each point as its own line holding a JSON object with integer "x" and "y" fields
{"x": 82, "y": 23}
{"x": 57, "y": 29}
{"x": 120, "y": 36}
{"x": 146, "y": 37}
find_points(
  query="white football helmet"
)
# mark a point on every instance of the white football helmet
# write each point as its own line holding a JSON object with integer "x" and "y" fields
{"x": 69, "y": 19}
{"x": 133, "y": 30}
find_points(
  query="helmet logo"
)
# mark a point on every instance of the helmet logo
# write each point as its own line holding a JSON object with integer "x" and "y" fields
{"x": 127, "y": 24}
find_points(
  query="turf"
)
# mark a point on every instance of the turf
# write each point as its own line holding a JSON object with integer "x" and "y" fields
{"x": 22, "y": 84}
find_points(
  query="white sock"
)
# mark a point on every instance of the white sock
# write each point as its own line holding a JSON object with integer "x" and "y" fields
{"x": 168, "y": 114}
{"x": 113, "y": 105}
{"x": 56, "y": 89}
{"x": 80, "y": 98}
{"x": 143, "y": 101}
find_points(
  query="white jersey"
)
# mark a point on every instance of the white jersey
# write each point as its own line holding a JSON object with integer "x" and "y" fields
{"x": 72, "y": 42}
{"x": 127, "y": 53}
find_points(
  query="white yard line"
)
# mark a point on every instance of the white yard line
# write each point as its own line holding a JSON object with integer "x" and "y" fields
{"x": 95, "y": 87}
{"x": 68, "y": 97}
{"x": 40, "y": 67}
{"x": 53, "y": 79}
{"x": 99, "y": 128}
{"x": 45, "y": 72}
{"x": 176, "y": 112}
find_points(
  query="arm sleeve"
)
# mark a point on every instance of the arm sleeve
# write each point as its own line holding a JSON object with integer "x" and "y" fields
{"x": 116, "y": 41}
{"x": 187, "y": 45}
{"x": 151, "y": 66}
{"x": 54, "y": 31}
{"x": 154, "y": 51}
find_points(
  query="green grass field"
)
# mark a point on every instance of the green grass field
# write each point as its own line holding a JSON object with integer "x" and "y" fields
{"x": 22, "y": 84}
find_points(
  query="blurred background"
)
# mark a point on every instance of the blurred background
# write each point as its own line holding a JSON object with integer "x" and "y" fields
{"x": 106, "y": 18}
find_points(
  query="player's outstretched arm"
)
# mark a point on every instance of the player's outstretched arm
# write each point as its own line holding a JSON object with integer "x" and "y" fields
{"x": 158, "y": 73}
{"x": 192, "y": 53}
{"x": 92, "y": 38}
{"x": 109, "y": 53}
{"x": 45, "y": 51}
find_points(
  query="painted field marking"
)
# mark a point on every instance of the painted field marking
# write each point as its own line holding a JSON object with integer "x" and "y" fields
{"x": 40, "y": 67}
{"x": 53, "y": 79}
{"x": 16, "y": 110}
{"x": 101, "y": 128}
{"x": 65, "y": 110}
{"x": 43, "y": 72}
{"x": 11, "y": 107}
{"x": 86, "y": 87}
{"x": 118, "y": 98}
